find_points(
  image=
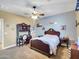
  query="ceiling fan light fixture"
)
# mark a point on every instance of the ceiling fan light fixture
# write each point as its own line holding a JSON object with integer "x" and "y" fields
{"x": 34, "y": 7}
{"x": 36, "y": 14}
{"x": 42, "y": 14}
{"x": 34, "y": 17}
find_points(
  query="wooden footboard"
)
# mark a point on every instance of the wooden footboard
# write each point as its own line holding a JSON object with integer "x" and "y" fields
{"x": 40, "y": 46}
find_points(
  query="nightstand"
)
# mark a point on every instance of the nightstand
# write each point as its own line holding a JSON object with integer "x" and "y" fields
{"x": 64, "y": 40}
{"x": 74, "y": 51}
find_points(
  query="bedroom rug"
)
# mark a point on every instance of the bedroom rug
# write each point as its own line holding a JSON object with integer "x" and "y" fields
{"x": 26, "y": 53}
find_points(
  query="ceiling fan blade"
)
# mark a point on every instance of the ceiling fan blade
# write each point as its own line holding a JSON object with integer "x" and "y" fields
{"x": 42, "y": 14}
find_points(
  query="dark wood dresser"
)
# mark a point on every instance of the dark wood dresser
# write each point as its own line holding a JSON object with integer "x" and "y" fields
{"x": 74, "y": 51}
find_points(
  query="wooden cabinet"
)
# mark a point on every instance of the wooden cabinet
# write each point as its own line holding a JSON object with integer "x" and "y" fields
{"x": 22, "y": 30}
{"x": 74, "y": 52}
{"x": 23, "y": 27}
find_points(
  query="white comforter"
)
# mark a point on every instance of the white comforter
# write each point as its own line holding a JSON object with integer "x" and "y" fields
{"x": 51, "y": 40}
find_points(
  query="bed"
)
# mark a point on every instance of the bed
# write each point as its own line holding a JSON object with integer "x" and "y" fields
{"x": 45, "y": 47}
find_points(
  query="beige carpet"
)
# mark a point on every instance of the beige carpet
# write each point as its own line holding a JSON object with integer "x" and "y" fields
{"x": 26, "y": 53}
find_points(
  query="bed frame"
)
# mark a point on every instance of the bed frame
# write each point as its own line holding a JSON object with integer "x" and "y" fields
{"x": 42, "y": 47}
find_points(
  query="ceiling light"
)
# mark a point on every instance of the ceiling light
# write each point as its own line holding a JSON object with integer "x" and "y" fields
{"x": 34, "y": 17}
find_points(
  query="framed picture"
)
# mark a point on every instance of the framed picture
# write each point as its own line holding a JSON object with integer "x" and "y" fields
{"x": 77, "y": 6}
{"x": 39, "y": 25}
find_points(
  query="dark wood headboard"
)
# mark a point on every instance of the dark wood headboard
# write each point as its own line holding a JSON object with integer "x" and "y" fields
{"x": 52, "y": 32}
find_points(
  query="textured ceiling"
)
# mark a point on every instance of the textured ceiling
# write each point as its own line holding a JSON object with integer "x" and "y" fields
{"x": 49, "y": 7}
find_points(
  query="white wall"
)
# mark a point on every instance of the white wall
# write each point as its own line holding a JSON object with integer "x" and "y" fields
{"x": 67, "y": 19}
{"x": 1, "y": 29}
{"x": 1, "y": 33}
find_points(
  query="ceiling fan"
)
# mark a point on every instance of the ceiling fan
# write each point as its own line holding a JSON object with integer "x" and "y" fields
{"x": 36, "y": 14}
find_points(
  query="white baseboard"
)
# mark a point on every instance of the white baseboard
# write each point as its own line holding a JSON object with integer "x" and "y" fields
{"x": 10, "y": 46}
